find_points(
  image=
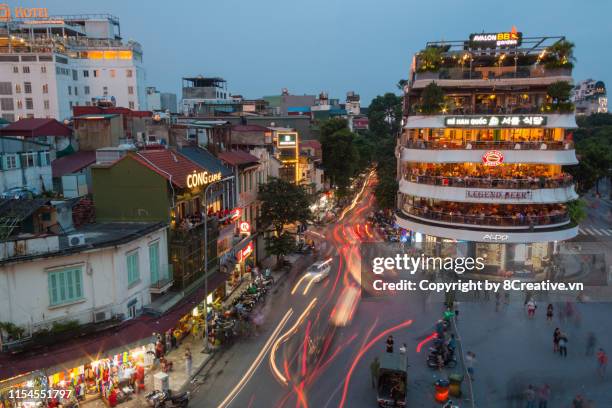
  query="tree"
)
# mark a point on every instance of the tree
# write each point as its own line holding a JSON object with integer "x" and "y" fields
{"x": 576, "y": 210}
{"x": 280, "y": 245}
{"x": 560, "y": 55}
{"x": 340, "y": 155}
{"x": 386, "y": 189}
{"x": 385, "y": 115}
{"x": 432, "y": 98}
{"x": 429, "y": 59}
{"x": 283, "y": 203}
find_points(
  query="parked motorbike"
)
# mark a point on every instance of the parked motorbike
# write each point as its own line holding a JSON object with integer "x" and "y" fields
{"x": 165, "y": 399}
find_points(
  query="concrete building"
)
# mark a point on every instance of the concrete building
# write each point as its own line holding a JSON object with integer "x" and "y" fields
{"x": 97, "y": 273}
{"x": 285, "y": 103}
{"x": 49, "y": 66}
{"x": 486, "y": 170}
{"x": 160, "y": 101}
{"x": 590, "y": 97}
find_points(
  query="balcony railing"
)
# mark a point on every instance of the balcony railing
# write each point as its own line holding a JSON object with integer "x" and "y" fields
{"x": 563, "y": 181}
{"x": 493, "y": 73}
{"x": 516, "y": 220}
{"x": 491, "y": 144}
{"x": 164, "y": 280}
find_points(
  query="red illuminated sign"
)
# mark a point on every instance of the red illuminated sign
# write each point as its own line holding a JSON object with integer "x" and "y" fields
{"x": 244, "y": 227}
{"x": 245, "y": 252}
{"x": 492, "y": 158}
{"x": 236, "y": 213}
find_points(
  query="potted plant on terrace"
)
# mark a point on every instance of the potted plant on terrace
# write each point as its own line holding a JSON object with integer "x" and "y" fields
{"x": 558, "y": 95}
{"x": 432, "y": 99}
{"x": 560, "y": 55}
{"x": 429, "y": 59}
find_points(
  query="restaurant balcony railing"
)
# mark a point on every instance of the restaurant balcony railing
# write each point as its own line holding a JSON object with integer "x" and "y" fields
{"x": 491, "y": 144}
{"x": 487, "y": 110}
{"x": 516, "y": 220}
{"x": 493, "y": 73}
{"x": 564, "y": 180}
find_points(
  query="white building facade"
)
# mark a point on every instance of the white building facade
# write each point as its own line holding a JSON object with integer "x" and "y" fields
{"x": 46, "y": 70}
{"x": 87, "y": 283}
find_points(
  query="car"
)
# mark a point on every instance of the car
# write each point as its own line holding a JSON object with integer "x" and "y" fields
{"x": 319, "y": 270}
{"x": 19, "y": 192}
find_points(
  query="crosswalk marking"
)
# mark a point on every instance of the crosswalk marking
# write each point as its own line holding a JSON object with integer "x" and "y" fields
{"x": 590, "y": 230}
{"x": 605, "y": 232}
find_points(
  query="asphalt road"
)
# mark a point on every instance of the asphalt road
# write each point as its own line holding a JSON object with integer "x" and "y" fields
{"x": 302, "y": 360}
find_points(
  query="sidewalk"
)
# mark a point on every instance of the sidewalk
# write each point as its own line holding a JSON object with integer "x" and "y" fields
{"x": 178, "y": 376}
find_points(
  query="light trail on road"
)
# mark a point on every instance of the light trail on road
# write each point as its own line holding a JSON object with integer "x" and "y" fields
{"x": 264, "y": 350}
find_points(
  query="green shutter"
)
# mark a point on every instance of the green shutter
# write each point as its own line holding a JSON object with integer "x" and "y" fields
{"x": 62, "y": 286}
{"x": 52, "y": 288}
{"x": 154, "y": 261}
{"x": 77, "y": 283}
{"x": 69, "y": 285}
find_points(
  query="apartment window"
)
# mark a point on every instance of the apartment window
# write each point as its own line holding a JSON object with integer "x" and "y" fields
{"x": 96, "y": 73}
{"x": 6, "y": 88}
{"x": 29, "y": 103}
{"x": 45, "y": 158}
{"x": 19, "y": 104}
{"x": 76, "y": 90}
{"x": 105, "y": 90}
{"x": 15, "y": 70}
{"x": 131, "y": 105}
{"x": 70, "y": 104}
{"x": 17, "y": 88}
{"x": 27, "y": 87}
{"x": 27, "y": 160}
{"x": 46, "y": 103}
{"x": 69, "y": 90}
{"x": 10, "y": 161}
{"x": 6, "y": 104}
{"x": 128, "y": 73}
{"x": 9, "y": 117}
{"x": 132, "y": 267}
{"x": 65, "y": 286}
{"x": 113, "y": 73}
{"x": 75, "y": 75}
{"x": 43, "y": 69}
{"x": 130, "y": 90}
{"x": 154, "y": 261}
{"x": 85, "y": 73}
{"x": 45, "y": 88}
{"x": 86, "y": 90}
{"x": 26, "y": 69}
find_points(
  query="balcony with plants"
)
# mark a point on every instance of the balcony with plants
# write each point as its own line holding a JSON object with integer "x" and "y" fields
{"x": 451, "y": 62}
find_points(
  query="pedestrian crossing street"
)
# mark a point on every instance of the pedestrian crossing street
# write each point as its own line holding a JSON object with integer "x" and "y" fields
{"x": 594, "y": 231}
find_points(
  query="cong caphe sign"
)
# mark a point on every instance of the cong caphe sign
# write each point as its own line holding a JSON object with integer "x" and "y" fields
{"x": 493, "y": 121}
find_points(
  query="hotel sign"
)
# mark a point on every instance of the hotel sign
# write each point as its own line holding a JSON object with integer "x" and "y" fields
{"x": 6, "y": 14}
{"x": 495, "y": 121}
{"x": 498, "y": 195}
{"x": 202, "y": 178}
{"x": 493, "y": 40}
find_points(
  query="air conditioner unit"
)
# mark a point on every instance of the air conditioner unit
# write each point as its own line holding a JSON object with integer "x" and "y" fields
{"x": 76, "y": 240}
{"x": 101, "y": 316}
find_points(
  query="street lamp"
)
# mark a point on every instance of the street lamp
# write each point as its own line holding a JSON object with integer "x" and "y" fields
{"x": 206, "y": 348}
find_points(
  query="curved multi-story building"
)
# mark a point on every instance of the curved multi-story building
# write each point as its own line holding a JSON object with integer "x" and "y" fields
{"x": 482, "y": 151}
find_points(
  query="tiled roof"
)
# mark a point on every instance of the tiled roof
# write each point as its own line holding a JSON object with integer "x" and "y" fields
{"x": 238, "y": 157}
{"x": 72, "y": 163}
{"x": 206, "y": 159}
{"x": 314, "y": 144}
{"x": 169, "y": 164}
{"x": 34, "y": 127}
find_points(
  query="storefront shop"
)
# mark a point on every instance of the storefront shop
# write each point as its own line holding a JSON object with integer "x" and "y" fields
{"x": 26, "y": 383}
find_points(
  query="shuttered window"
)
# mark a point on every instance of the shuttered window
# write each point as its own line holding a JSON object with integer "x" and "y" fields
{"x": 65, "y": 285}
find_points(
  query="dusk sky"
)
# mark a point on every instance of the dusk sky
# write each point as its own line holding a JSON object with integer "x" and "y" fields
{"x": 262, "y": 46}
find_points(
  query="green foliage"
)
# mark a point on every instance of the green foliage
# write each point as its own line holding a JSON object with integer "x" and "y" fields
{"x": 577, "y": 211}
{"x": 386, "y": 189}
{"x": 429, "y": 59}
{"x": 559, "y": 95}
{"x": 283, "y": 203}
{"x": 385, "y": 115}
{"x": 340, "y": 155}
{"x": 280, "y": 245}
{"x": 61, "y": 327}
{"x": 594, "y": 151}
{"x": 12, "y": 330}
{"x": 432, "y": 99}
{"x": 560, "y": 55}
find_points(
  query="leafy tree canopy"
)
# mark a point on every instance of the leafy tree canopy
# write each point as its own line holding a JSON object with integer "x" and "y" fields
{"x": 283, "y": 203}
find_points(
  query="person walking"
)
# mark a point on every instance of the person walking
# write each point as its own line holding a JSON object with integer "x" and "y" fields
{"x": 602, "y": 363}
{"x": 470, "y": 362}
{"x": 543, "y": 396}
{"x": 531, "y": 308}
{"x": 390, "y": 344}
{"x": 374, "y": 369}
{"x": 549, "y": 312}
{"x": 530, "y": 397}
{"x": 556, "y": 336}
{"x": 591, "y": 341}
{"x": 188, "y": 362}
{"x": 563, "y": 345}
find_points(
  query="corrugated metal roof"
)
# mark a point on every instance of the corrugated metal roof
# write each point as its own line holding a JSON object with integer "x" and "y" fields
{"x": 206, "y": 159}
{"x": 72, "y": 163}
{"x": 238, "y": 157}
